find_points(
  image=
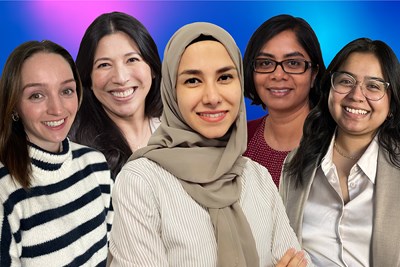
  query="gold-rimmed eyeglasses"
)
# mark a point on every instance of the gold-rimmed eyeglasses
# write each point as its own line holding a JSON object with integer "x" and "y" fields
{"x": 372, "y": 88}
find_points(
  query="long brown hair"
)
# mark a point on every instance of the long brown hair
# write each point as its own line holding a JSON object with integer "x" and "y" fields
{"x": 14, "y": 152}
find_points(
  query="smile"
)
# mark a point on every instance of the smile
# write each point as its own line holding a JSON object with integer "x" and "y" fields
{"x": 123, "y": 94}
{"x": 54, "y": 123}
{"x": 212, "y": 115}
{"x": 279, "y": 90}
{"x": 356, "y": 111}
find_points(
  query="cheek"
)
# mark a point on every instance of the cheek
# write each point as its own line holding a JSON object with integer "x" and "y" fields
{"x": 259, "y": 80}
{"x": 72, "y": 105}
{"x": 98, "y": 81}
{"x": 332, "y": 104}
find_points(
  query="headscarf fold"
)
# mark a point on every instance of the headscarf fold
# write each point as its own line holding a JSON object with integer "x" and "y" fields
{"x": 208, "y": 169}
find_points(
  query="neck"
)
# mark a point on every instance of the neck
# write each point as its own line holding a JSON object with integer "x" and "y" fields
{"x": 351, "y": 147}
{"x": 283, "y": 131}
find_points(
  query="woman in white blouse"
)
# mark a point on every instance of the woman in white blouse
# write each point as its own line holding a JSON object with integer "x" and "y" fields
{"x": 340, "y": 185}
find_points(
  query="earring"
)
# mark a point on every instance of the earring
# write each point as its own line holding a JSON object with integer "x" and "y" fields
{"x": 15, "y": 116}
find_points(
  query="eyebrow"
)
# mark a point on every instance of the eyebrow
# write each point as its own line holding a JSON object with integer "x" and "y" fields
{"x": 125, "y": 55}
{"x": 197, "y": 72}
{"x": 293, "y": 54}
{"x": 42, "y": 84}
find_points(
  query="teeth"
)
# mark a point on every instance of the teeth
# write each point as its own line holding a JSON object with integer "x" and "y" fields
{"x": 212, "y": 115}
{"x": 54, "y": 123}
{"x": 279, "y": 91}
{"x": 356, "y": 111}
{"x": 123, "y": 93}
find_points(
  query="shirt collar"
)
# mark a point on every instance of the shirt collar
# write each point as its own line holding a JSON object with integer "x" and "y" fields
{"x": 367, "y": 163}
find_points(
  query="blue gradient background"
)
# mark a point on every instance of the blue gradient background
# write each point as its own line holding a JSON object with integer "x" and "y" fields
{"x": 335, "y": 22}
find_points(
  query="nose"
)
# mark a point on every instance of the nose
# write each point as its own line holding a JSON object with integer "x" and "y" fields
{"x": 278, "y": 73}
{"x": 211, "y": 95}
{"x": 55, "y": 105}
{"x": 357, "y": 93}
{"x": 120, "y": 74}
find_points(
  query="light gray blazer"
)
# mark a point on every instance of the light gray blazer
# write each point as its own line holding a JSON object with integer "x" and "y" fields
{"x": 385, "y": 247}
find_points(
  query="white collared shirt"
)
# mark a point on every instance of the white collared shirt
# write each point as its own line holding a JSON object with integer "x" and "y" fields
{"x": 335, "y": 234}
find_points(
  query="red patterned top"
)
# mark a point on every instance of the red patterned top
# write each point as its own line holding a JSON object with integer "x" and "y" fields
{"x": 259, "y": 151}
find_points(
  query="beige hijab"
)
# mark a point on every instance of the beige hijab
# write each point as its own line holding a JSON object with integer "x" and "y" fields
{"x": 208, "y": 169}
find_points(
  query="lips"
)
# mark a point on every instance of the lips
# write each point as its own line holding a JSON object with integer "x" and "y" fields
{"x": 212, "y": 116}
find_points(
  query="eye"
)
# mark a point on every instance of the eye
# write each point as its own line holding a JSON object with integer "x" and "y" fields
{"x": 68, "y": 91}
{"x": 264, "y": 63}
{"x": 373, "y": 85}
{"x": 192, "y": 81}
{"x": 102, "y": 65}
{"x": 133, "y": 59}
{"x": 36, "y": 96}
{"x": 345, "y": 80}
{"x": 225, "y": 77}
{"x": 294, "y": 63}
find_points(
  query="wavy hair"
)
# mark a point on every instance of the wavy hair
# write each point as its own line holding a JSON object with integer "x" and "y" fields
{"x": 93, "y": 127}
{"x": 14, "y": 152}
{"x": 319, "y": 126}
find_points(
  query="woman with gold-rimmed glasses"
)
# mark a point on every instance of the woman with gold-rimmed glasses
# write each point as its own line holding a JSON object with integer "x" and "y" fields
{"x": 340, "y": 185}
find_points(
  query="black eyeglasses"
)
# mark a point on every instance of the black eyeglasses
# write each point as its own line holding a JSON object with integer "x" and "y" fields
{"x": 372, "y": 88}
{"x": 291, "y": 66}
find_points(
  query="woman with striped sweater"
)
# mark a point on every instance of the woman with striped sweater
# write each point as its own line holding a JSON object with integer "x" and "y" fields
{"x": 54, "y": 194}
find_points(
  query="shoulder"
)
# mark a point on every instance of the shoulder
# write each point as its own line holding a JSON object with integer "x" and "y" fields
{"x": 85, "y": 152}
{"x": 143, "y": 170}
{"x": 252, "y": 126}
{"x": 257, "y": 176}
{"x": 90, "y": 161}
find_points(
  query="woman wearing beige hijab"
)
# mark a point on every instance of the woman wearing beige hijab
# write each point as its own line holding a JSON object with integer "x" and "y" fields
{"x": 189, "y": 198}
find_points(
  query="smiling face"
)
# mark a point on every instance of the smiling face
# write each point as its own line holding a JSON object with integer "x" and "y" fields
{"x": 208, "y": 88}
{"x": 278, "y": 90}
{"x": 49, "y": 101}
{"x": 121, "y": 78}
{"x": 354, "y": 114}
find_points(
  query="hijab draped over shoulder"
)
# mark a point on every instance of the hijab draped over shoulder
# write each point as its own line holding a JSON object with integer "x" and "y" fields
{"x": 208, "y": 169}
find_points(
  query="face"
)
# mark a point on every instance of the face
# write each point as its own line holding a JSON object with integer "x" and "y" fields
{"x": 121, "y": 79}
{"x": 208, "y": 89}
{"x": 278, "y": 90}
{"x": 49, "y": 100}
{"x": 354, "y": 114}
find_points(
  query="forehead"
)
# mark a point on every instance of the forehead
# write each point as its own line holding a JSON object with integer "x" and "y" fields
{"x": 283, "y": 43}
{"x": 115, "y": 43}
{"x": 205, "y": 54}
{"x": 45, "y": 67}
{"x": 362, "y": 64}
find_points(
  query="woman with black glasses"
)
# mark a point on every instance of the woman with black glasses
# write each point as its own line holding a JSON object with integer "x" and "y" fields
{"x": 341, "y": 185}
{"x": 283, "y": 66}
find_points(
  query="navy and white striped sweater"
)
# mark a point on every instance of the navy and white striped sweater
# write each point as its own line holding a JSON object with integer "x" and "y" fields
{"x": 64, "y": 218}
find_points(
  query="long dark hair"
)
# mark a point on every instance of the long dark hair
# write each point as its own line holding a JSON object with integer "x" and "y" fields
{"x": 93, "y": 127}
{"x": 269, "y": 29}
{"x": 13, "y": 139}
{"x": 319, "y": 126}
